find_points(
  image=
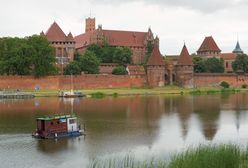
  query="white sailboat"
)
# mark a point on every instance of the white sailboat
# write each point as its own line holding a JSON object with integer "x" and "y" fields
{"x": 71, "y": 93}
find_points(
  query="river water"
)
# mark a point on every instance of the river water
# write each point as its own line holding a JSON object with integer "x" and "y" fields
{"x": 145, "y": 126}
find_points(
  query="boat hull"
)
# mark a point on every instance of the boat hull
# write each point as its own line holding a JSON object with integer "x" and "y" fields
{"x": 59, "y": 135}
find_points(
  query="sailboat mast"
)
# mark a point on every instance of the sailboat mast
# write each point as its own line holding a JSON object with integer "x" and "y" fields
{"x": 71, "y": 84}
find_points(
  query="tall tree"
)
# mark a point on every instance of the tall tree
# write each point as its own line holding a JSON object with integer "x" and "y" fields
{"x": 15, "y": 56}
{"x": 43, "y": 56}
{"x": 122, "y": 55}
{"x": 72, "y": 69}
{"x": 89, "y": 63}
{"x": 241, "y": 63}
{"x": 149, "y": 49}
{"x": 215, "y": 65}
{"x": 199, "y": 64}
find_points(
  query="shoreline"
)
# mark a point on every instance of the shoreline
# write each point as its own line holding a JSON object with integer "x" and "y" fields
{"x": 168, "y": 90}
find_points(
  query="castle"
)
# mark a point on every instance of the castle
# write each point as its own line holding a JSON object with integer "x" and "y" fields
{"x": 159, "y": 71}
{"x": 136, "y": 41}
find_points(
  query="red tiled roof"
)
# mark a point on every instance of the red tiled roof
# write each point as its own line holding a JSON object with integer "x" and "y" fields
{"x": 228, "y": 56}
{"x": 209, "y": 45}
{"x": 185, "y": 58}
{"x": 156, "y": 57}
{"x": 125, "y": 38}
{"x": 55, "y": 33}
{"x": 114, "y": 38}
{"x": 83, "y": 40}
{"x": 70, "y": 37}
{"x": 136, "y": 70}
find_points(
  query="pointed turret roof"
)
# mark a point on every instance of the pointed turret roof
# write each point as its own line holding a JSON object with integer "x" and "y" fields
{"x": 238, "y": 49}
{"x": 209, "y": 45}
{"x": 55, "y": 33}
{"x": 42, "y": 34}
{"x": 156, "y": 57}
{"x": 185, "y": 58}
{"x": 70, "y": 38}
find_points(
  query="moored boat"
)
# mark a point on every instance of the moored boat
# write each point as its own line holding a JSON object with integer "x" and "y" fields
{"x": 71, "y": 94}
{"x": 58, "y": 126}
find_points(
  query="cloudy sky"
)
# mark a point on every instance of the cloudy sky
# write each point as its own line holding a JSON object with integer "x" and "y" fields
{"x": 174, "y": 21}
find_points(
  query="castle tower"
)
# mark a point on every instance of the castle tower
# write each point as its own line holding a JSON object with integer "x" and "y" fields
{"x": 156, "y": 67}
{"x": 209, "y": 48}
{"x": 184, "y": 69}
{"x": 238, "y": 49}
{"x": 90, "y": 24}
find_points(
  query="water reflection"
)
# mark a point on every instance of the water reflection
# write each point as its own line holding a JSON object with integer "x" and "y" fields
{"x": 144, "y": 125}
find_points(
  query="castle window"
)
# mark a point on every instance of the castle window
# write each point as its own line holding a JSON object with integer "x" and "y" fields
{"x": 59, "y": 52}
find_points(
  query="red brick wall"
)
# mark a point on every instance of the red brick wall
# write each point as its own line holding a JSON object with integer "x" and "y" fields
{"x": 64, "y": 82}
{"x": 215, "y": 79}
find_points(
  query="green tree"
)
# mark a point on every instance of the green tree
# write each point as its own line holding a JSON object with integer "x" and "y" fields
{"x": 15, "y": 56}
{"x": 97, "y": 50}
{"x": 107, "y": 53}
{"x": 215, "y": 65}
{"x": 199, "y": 64}
{"x": 240, "y": 63}
{"x": 149, "y": 50}
{"x": 122, "y": 55}
{"x": 72, "y": 68}
{"x": 88, "y": 62}
{"x": 120, "y": 70}
{"x": 43, "y": 56}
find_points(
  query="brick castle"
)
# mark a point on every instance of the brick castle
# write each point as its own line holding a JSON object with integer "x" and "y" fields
{"x": 158, "y": 71}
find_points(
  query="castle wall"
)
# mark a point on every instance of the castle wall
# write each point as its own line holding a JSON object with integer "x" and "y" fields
{"x": 208, "y": 79}
{"x": 64, "y": 82}
{"x": 155, "y": 77}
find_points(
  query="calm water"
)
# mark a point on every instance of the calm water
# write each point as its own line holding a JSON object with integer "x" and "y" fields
{"x": 145, "y": 126}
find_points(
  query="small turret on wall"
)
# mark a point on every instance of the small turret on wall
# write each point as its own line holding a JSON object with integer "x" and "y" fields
{"x": 156, "y": 67}
{"x": 185, "y": 69}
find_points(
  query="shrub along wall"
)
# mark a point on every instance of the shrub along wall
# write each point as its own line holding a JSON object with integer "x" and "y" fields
{"x": 64, "y": 82}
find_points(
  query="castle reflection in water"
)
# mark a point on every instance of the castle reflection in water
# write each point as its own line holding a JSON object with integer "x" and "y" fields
{"x": 155, "y": 122}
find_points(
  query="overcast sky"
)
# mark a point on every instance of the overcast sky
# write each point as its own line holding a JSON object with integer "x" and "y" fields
{"x": 174, "y": 21}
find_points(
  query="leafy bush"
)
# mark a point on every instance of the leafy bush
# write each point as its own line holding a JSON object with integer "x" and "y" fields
{"x": 244, "y": 86}
{"x": 120, "y": 70}
{"x": 224, "y": 84}
{"x": 88, "y": 62}
{"x": 97, "y": 95}
{"x": 72, "y": 69}
{"x": 240, "y": 63}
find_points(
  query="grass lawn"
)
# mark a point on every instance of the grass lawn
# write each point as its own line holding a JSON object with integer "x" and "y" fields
{"x": 141, "y": 91}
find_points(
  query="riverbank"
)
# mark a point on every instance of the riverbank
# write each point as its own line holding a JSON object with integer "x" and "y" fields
{"x": 169, "y": 90}
{"x": 216, "y": 156}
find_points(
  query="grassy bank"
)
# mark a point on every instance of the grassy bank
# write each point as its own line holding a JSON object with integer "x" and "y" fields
{"x": 221, "y": 156}
{"x": 141, "y": 91}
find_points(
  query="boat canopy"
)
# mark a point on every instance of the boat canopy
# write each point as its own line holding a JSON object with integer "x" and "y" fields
{"x": 55, "y": 117}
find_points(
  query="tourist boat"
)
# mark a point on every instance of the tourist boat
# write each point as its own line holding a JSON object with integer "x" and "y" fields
{"x": 58, "y": 126}
{"x": 71, "y": 94}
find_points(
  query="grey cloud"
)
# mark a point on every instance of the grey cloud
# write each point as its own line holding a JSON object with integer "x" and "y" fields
{"x": 206, "y": 6}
